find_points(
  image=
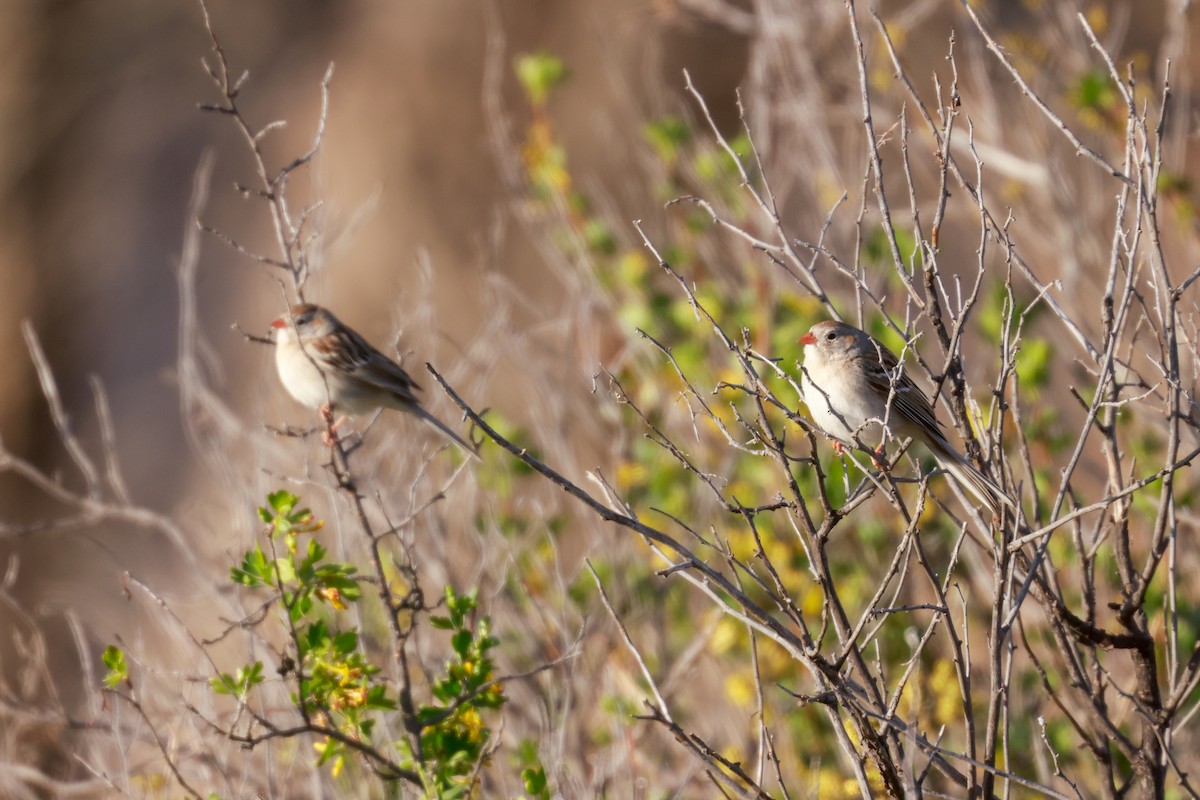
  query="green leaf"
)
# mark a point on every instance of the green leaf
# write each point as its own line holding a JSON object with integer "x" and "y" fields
{"x": 877, "y": 247}
{"x": 535, "y": 781}
{"x": 740, "y": 144}
{"x": 377, "y": 699}
{"x": 253, "y": 571}
{"x": 300, "y": 605}
{"x": 599, "y": 237}
{"x": 252, "y": 675}
{"x": 1033, "y": 362}
{"x": 539, "y": 73}
{"x": 224, "y": 683}
{"x": 329, "y": 749}
{"x": 345, "y": 642}
{"x": 118, "y": 672}
{"x": 1095, "y": 91}
{"x": 667, "y": 136}
{"x": 241, "y": 683}
{"x": 282, "y": 501}
{"x": 1174, "y": 182}
{"x": 286, "y": 570}
{"x": 461, "y": 642}
{"x": 315, "y": 637}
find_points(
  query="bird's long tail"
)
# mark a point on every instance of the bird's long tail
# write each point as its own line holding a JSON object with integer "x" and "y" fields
{"x": 441, "y": 428}
{"x": 974, "y": 481}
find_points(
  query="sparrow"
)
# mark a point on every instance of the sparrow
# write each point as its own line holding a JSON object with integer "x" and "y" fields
{"x": 853, "y": 385}
{"x": 325, "y": 364}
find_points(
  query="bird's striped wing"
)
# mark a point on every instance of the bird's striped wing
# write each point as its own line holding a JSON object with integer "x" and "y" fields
{"x": 908, "y": 401}
{"x": 352, "y": 355}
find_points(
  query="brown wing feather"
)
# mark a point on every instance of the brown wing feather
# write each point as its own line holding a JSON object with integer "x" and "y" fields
{"x": 355, "y": 357}
{"x": 907, "y": 400}
{"x": 910, "y": 401}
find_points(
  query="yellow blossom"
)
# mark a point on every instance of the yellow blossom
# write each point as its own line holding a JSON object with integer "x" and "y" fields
{"x": 471, "y": 724}
{"x": 333, "y": 597}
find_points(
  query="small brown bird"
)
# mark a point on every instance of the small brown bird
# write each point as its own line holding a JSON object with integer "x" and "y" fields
{"x": 327, "y": 365}
{"x": 850, "y": 378}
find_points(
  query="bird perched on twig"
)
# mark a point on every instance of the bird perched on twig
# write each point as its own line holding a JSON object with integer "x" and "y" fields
{"x": 325, "y": 364}
{"x": 852, "y": 384}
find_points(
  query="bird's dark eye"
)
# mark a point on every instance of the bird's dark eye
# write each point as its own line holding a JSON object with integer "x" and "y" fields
{"x": 831, "y": 336}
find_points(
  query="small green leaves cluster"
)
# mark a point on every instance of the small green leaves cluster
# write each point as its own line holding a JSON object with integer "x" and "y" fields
{"x": 118, "y": 671}
{"x": 539, "y": 73}
{"x": 241, "y": 682}
{"x": 453, "y": 736}
{"x": 1096, "y": 99}
{"x": 337, "y": 687}
{"x": 302, "y": 575}
{"x": 334, "y": 679}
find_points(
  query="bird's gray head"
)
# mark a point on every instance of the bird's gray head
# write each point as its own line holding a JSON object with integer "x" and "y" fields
{"x": 305, "y": 320}
{"x": 831, "y": 341}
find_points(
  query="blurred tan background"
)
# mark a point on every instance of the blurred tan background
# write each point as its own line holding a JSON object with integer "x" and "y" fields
{"x": 103, "y": 136}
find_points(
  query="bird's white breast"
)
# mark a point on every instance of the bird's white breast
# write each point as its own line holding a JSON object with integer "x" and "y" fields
{"x": 299, "y": 375}
{"x": 840, "y": 399}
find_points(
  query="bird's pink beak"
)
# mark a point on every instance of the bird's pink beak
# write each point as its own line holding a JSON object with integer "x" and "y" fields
{"x": 279, "y": 323}
{"x": 807, "y": 339}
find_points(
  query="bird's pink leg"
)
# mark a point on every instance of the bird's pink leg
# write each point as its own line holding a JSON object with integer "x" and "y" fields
{"x": 331, "y": 425}
{"x": 879, "y": 465}
{"x": 838, "y": 449}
